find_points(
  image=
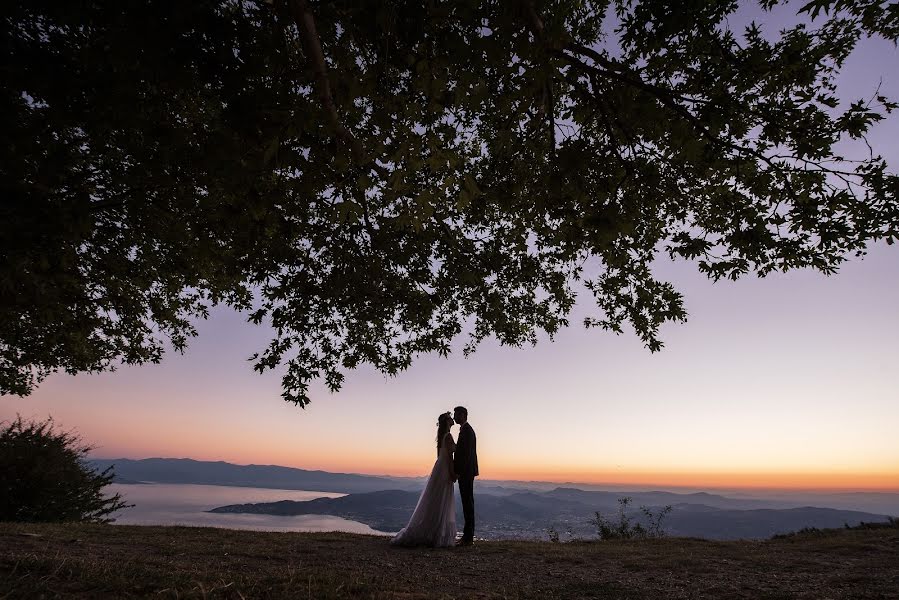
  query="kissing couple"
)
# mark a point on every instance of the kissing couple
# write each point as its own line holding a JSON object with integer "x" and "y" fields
{"x": 433, "y": 523}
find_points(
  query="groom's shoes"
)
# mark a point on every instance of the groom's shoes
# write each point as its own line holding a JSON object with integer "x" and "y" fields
{"x": 463, "y": 542}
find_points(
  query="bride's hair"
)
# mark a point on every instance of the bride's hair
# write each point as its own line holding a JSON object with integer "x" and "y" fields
{"x": 444, "y": 422}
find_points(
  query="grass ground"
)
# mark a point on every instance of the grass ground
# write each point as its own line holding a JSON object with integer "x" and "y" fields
{"x": 110, "y": 561}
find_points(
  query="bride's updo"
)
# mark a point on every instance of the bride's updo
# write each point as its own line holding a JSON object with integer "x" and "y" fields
{"x": 444, "y": 422}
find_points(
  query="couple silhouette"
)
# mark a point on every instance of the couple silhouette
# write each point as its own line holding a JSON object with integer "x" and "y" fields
{"x": 433, "y": 522}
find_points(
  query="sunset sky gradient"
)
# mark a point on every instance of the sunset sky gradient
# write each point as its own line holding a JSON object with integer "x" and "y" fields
{"x": 790, "y": 381}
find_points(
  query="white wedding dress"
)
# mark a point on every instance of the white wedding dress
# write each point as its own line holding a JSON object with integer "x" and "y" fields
{"x": 433, "y": 523}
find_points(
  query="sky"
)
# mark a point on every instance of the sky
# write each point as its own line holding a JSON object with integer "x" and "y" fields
{"x": 785, "y": 382}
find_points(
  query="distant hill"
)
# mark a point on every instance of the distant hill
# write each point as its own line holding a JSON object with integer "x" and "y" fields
{"x": 529, "y": 514}
{"x": 604, "y": 500}
{"x": 186, "y": 470}
{"x": 706, "y": 522}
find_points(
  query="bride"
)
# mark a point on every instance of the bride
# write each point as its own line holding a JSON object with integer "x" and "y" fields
{"x": 433, "y": 523}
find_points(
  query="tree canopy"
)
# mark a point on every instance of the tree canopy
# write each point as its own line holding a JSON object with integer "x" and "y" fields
{"x": 376, "y": 178}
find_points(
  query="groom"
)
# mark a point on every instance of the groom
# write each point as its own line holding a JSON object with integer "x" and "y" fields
{"x": 465, "y": 462}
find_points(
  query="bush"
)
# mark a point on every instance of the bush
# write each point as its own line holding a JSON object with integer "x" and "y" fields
{"x": 625, "y": 529}
{"x": 45, "y": 476}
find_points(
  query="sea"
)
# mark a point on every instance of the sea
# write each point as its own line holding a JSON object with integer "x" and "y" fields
{"x": 187, "y": 504}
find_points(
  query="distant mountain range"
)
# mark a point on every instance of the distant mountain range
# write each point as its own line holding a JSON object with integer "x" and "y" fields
{"x": 186, "y": 470}
{"x": 531, "y": 514}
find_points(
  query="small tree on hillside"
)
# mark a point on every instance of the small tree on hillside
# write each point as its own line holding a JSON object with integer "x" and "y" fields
{"x": 46, "y": 476}
{"x": 625, "y": 529}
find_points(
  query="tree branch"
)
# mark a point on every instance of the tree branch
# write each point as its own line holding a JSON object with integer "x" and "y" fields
{"x": 536, "y": 25}
{"x": 305, "y": 22}
{"x": 302, "y": 16}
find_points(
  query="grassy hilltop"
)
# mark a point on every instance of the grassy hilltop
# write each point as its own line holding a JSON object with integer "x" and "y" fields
{"x": 104, "y": 561}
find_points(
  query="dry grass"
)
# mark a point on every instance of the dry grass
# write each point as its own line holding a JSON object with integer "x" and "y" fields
{"x": 104, "y": 561}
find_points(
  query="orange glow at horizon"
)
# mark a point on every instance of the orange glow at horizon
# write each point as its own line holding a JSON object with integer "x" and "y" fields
{"x": 416, "y": 465}
{"x": 384, "y": 462}
{"x": 881, "y": 481}
{"x": 499, "y": 461}
{"x": 312, "y": 452}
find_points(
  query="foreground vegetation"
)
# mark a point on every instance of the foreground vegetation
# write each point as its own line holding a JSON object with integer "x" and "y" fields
{"x": 47, "y": 478}
{"x": 100, "y": 561}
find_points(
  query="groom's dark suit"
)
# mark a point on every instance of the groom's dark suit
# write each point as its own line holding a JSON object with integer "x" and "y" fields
{"x": 465, "y": 462}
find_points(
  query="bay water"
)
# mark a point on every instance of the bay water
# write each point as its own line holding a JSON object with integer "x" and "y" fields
{"x": 187, "y": 504}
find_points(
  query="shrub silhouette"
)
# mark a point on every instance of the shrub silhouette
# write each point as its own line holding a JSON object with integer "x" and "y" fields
{"x": 46, "y": 478}
{"x": 625, "y": 528}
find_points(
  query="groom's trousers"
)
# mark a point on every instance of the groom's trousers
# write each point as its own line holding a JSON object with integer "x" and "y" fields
{"x": 466, "y": 491}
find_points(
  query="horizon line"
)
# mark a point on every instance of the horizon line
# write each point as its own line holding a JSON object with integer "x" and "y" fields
{"x": 566, "y": 482}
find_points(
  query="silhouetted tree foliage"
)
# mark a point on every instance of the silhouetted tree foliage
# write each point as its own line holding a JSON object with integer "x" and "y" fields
{"x": 45, "y": 476}
{"x": 373, "y": 178}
